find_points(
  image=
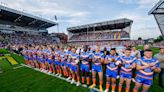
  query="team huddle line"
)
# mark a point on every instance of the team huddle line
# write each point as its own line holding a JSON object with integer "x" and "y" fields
{"x": 69, "y": 62}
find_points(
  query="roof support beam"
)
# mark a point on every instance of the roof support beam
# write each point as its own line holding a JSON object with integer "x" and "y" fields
{"x": 160, "y": 8}
{"x": 158, "y": 13}
{"x": 43, "y": 25}
{"x": 32, "y": 22}
{"x": 18, "y": 19}
{"x": 156, "y": 7}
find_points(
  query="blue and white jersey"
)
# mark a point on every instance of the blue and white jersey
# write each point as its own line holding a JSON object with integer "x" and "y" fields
{"x": 25, "y": 53}
{"x": 85, "y": 56}
{"x": 96, "y": 57}
{"x": 68, "y": 54}
{"x": 91, "y": 51}
{"x": 48, "y": 53}
{"x": 44, "y": 50}
{"x": 35, "y": 57}
{"x": 63, "y": 56}
{"x": 147, "y": 72}
{"x": 57, "y": 55}
{"x": 74, "y": 58}
{"x": 112, "y": 65}
{"x": 30, "y": 54}
{"x": 127, "y": 62}
{"x": 41, "y": 58}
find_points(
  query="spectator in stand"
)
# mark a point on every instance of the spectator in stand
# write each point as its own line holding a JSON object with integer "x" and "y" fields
{"x": 24, "y": 38}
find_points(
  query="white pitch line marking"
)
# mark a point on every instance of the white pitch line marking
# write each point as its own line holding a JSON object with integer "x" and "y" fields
{"x": 62, "y": 78}
{"x": 17, "y": 67}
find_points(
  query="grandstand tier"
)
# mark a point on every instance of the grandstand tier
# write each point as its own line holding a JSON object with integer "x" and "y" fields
{"x": 17, "y": 27}
{"x": 101, "y": 26}
{"x": 13, "y": 17}
{"x": 103, "y": 31}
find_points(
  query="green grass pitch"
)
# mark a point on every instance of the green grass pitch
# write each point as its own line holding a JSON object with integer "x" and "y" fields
{"x": 27, "y": 80}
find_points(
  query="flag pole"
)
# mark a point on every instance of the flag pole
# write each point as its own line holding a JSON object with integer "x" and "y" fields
{"x": 57, "y": 23}
{"x": 58, "y": 27}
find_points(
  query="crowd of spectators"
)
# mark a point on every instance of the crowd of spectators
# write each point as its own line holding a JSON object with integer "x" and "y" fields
{"x": 100, "y": 36}
{"x": 112, "y": 43}
{"x": 159, "y": 44}
{"x": 12, "y": 39}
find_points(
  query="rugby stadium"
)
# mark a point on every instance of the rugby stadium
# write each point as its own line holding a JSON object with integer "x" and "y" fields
{"x": 87, "y": 57}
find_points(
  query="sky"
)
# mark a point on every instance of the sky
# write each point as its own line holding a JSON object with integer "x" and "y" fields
{"x": 78, "y": 12}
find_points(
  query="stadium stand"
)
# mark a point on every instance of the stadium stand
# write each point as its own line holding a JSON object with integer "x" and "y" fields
{"x": 17, "y": 27}
{"x": 25, "y": 39}
{"x": 59, "y": 37}
{"x": 100, "y": 36}
{"x": 159, "y": 44}
{"x": 114, "y": 32}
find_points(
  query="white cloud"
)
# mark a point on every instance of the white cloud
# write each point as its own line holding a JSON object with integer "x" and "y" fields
{"x": 141, "y": 3}
{"x": 44, "y": 7}
{"x": 69, "y": 14}
{"x": 79, "y": 14}
{"x": 147, "y": 3}
{"x": 143, "y": 26}
{"x": 48, "y": 8}
{"x": 126, "y": 1}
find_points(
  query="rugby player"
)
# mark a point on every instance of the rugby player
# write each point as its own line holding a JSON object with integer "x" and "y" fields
{"x": 112, "y": 69}
{"x": 74, "y": 67}
{"x": 97, "y": 59}
{"x": 146, "y": 66}
{"x": 85, "y": 58}
{"x": 127, "y": 64}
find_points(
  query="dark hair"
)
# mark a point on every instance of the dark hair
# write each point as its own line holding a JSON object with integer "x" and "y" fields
{"x": 58, "y": 46}
{"x": 130, "y": 46}
{"x": 149, "y": 50}
{"x": 129, "y": 49}
{"x": 161, "y": 48}
{"x": 113, "y": 49}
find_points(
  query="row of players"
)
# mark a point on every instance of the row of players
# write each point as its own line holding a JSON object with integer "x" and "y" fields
{"x": 68, "y": 63}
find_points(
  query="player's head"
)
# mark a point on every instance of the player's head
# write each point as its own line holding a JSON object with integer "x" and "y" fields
{"x": 85, "y": 48}
{"x": 50, "y": 49}
{"x": 146, "y": 46}
{"x": 113, "y": 51}
{"x": 57, "y": 47}
{"x": 73, "y": 50}
{"x": 161, "y": 51}
{"x": 62, "y": 49}
{"x": 148, "y": 53}
{"x": 133, "y": 48}
{"x": 89, "y": 48}
{"x": 105, "y": 49}
{"x": 128, "y": 52}
{"x": 97, "y": 48}
{"x": 69, "y": 48}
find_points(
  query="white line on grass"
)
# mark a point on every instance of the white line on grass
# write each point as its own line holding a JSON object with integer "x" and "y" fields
{"x": 17, "y": 67}
{"x": 62, "y": 78}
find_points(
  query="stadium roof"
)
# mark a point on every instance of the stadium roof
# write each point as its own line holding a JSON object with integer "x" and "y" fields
{"x": 158, "y": 12}
{"x": 107, "y": 25}
{"x": 158, "y": 8}
{"x": 24, "y": 19}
